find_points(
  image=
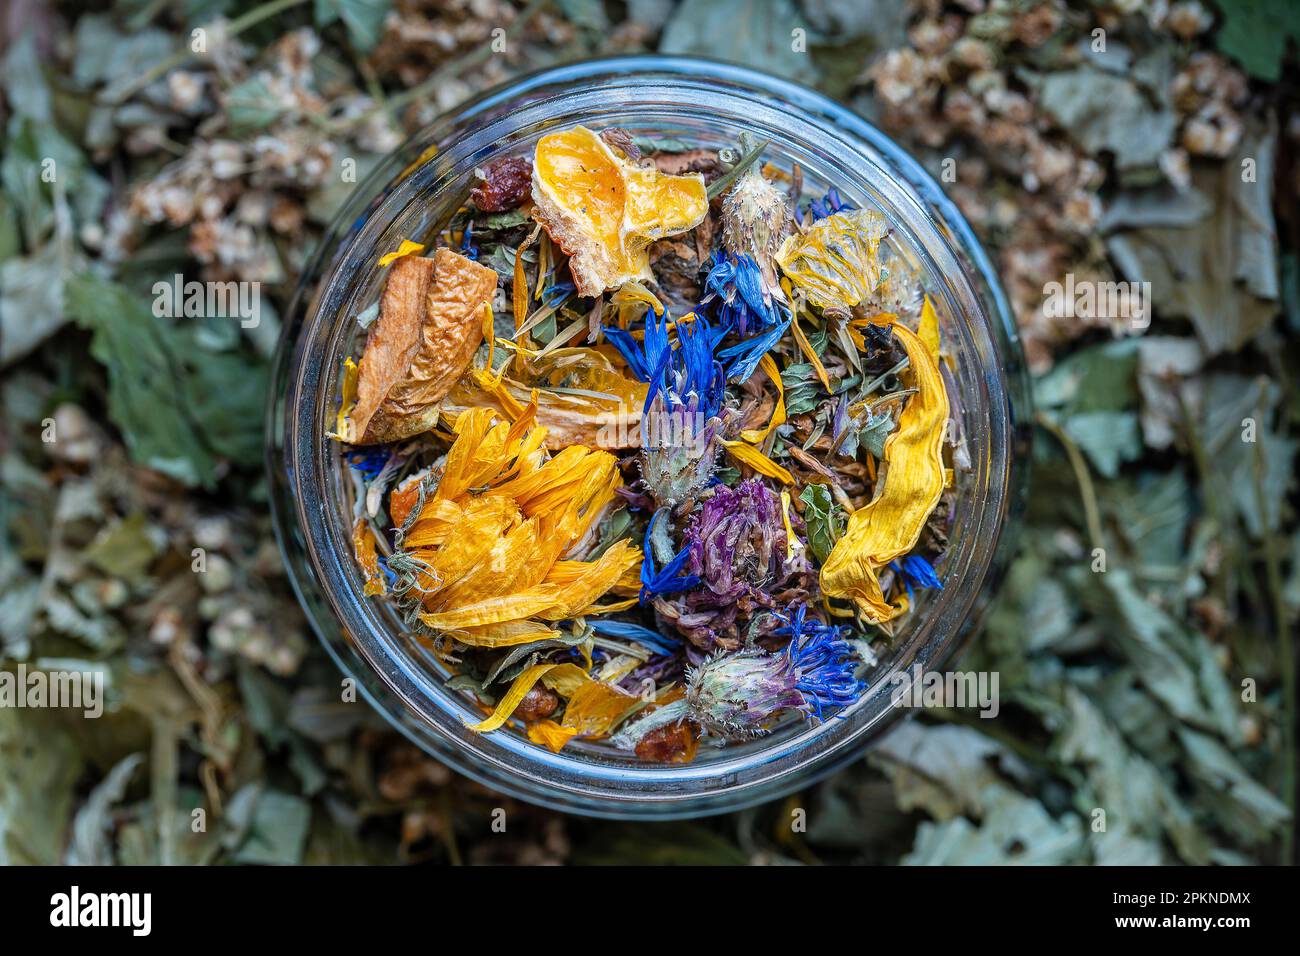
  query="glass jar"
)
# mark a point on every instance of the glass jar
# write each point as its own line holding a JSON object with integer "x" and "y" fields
{"x": 412, "y": 192}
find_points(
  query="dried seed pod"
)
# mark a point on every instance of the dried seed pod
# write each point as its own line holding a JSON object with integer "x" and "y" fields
{"x": 538, "y": 704}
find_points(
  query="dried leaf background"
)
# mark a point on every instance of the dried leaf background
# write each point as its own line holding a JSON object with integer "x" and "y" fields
{"x": 1120, "y": 691}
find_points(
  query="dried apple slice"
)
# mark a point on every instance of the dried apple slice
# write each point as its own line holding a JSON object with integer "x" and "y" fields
{"x": 604, "y": 211}
{"x": 430, "y": 322}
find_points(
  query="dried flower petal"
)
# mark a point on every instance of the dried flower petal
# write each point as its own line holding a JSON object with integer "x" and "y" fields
{"x": 890, "y": 525}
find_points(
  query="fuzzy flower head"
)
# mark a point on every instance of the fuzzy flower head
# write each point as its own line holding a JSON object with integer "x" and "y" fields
{"x": 684, "y": 403}
{"x": 755, "y": 221}
{"x": 737, "y": 695}
{"x": 738, "y": 541}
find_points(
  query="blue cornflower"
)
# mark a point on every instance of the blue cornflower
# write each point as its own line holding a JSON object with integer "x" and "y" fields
{"x": 368, "y": 463}
{"x": 829, "y": 205}
{"x": 823, "y": 659}
{"x": 688, "y": 376}
{"x": 737, "y": 695}
{"x": 743, "y": 302}
{"x": 467, "y": 246}
{"x": 915, "y": 570}
{"x": 742, "y": 358}
{"x": 669, "y": 578}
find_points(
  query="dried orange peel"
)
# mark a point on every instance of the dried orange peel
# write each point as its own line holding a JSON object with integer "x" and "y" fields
{"x": 604, "y": 210}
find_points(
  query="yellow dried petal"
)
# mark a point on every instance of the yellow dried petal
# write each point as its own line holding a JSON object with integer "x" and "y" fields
{"x": 567, "y": 679}
{"x": 342, "y": 429}
{"x": 755, "y": 459}
{"x": 755, "y": 436}
{"x": 928, "y": 329}
{"x": 891, "y": 524}
{"x": 836, "y": 261}
{"x": 405, "y": 249}
{"x": 505, "y": 634}
{"x": 550, "y": 735}
{"x": 596, "y": 707}
{"x": 517, "y": 692}
{"x": 363, "y": 545}
{"x": 511, "y": 607}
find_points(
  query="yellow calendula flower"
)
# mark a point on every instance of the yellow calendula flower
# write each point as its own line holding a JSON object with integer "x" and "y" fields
{"x": 891, "y": 524}
{"x": 486, "y": 553}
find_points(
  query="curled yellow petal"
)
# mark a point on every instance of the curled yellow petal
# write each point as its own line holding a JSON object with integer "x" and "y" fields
{"x": 342, "y": 422}
{"x": 928, "y": 329}
{"x": 405, "y": 249}
{"x": 493, "y": 610}
{"x": 550, "y": 735}
{"x": 756, "y": 436}
{"x": 891, "y": 524}
{"x": 517, "y": 692}
{"x": 755, "y": 459}
{"x": 363, "y": 545}
{"x": 792, "y": 542}
{"x": 505, "y": 634}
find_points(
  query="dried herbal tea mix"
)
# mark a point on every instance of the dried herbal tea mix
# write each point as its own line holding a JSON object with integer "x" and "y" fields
{"x": 648, "y": 447}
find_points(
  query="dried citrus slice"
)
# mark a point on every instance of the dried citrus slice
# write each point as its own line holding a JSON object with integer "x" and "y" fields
{"x": 604, "y": 211}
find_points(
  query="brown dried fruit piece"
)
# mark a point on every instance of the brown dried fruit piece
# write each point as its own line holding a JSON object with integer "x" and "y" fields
{"x": 505, "y": 185}
{"x": 430, "y": 322}
{"x": 538, "y": 704}
{"x": 672, "y": 743}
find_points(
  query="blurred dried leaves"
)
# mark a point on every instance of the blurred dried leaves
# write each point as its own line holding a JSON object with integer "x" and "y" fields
{"x": 1121, "y": 691}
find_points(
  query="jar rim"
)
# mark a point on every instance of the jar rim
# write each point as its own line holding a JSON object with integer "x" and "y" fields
{"x": 301, "y": 511}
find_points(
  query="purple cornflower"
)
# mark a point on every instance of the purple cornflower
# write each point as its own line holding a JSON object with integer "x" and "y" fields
{"x": 737, "y": 541}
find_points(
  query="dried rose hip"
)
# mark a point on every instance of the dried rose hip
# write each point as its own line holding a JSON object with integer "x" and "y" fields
{"x": 672, "y": 743}
{"x": 538, "y": 704}
{"x": 505, "y": 185}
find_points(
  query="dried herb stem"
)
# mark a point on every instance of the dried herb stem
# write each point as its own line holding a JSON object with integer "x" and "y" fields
{"x": 1092, "y": 513}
